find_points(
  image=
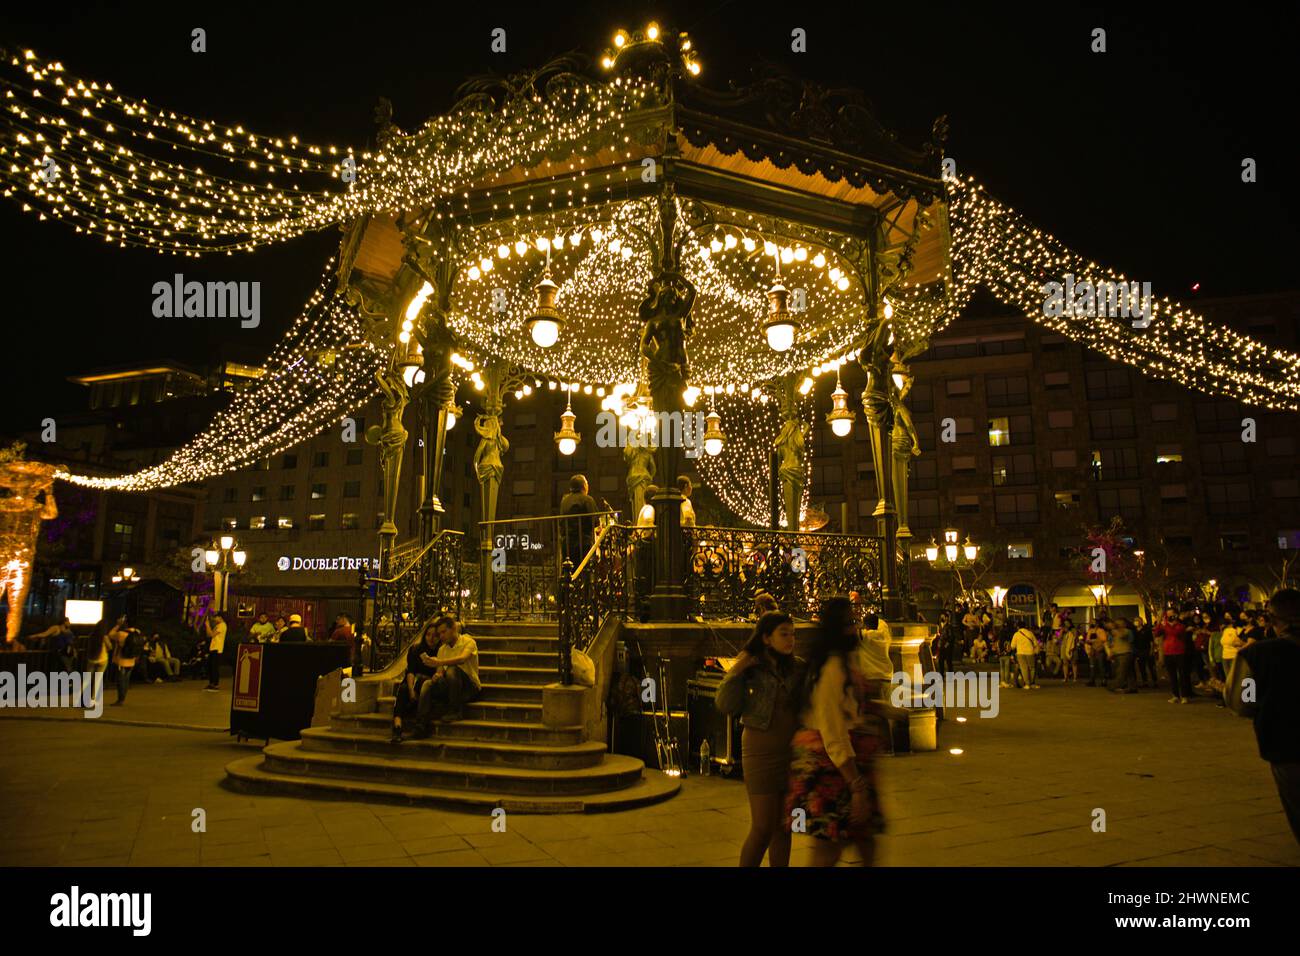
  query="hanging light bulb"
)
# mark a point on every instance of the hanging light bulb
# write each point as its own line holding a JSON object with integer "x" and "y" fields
{"x": 503, "y": 251}
{"x": 819, "y": 260}
{"x": 749, "y": 244}
{"x": 713, "y": 436}
{"x": 597, "y": 235}
{"x": 521, "y": 247}
{"x": 780, "y": 325}
{"x": 566, "y": 439}
{"x": 841, "y": 416}
{"x": 545, "y": 322}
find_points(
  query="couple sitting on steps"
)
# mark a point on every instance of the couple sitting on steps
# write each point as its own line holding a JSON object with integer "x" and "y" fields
{"x": 441, "y": 677}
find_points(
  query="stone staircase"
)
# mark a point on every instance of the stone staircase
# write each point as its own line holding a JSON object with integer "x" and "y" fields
{"x": 503, "y": 754}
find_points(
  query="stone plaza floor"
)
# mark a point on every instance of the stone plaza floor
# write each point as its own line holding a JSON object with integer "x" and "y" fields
{"x": 1179, "y": 786}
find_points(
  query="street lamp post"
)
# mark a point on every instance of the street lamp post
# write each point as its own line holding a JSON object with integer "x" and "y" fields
{"x": 953, "y": 557}
{"x": 221, "y": 558}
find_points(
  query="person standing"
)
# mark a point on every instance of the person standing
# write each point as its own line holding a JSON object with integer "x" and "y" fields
{"x": 688, "y": 510}
{"x": 763, "y": 688}
{"x": 1174, "y": 643}
{"x": 126, "y": 648}
{"x": 949, "y": 638}
{"x": 832, "y": 759}
{"x": 1069, "y": 654}
{"x": 262, "y": 630}
{"x": 1025, "y": 646}
{"x": 216, "y": 647}
{"x": 577, "y": 508}
{"x": 1273, "y": 667}
{"x": 1143, "y": 665}
{"x": 1007, "y": 656}
{"x": 1054, "y": 653}
{"x": 971, "y": 623}
{"x": 1120, "y": 646}
{"x": 342, "y": 631}
{"x": 1096, "y": 654}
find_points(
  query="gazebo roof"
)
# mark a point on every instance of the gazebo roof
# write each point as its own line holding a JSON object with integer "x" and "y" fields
{"x": 779, "y": 161}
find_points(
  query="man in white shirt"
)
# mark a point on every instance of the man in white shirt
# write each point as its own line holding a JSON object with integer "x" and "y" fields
{"x": 1232, "y": 643}
{"x": 216, "y": 647}
{"x": 688, "y": 510}
{"x": 1025, "y": 644}
{"x": 456, "y": 682}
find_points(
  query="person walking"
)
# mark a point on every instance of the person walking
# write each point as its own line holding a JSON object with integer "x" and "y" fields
{"x": 1175, "y": 643}
{"x": 1120, "y": 648}
{"x": 832, "y": 759}
{"x": 1025, "y": 646}
{"x": 97, "y": 654}
{"x": 216, "y": 647}
{"x": 763, "y": 687}
{"x": 1006, "y": 657}
{"x": 1272, "y": 665}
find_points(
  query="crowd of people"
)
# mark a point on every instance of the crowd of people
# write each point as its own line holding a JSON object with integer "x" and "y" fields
{"x": 1188, "y": 650}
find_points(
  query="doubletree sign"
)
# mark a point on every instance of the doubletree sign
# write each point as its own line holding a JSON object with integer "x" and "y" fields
{"x": 340, "y": 563}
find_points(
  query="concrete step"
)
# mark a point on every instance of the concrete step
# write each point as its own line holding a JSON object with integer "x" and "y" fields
{"x": 454, "y": 750}
{"x": 522, "y": 713}
{"x": 251, "y": 775}
{"x": 539, "y": 676}
{"x": 512, "y": 629}
{"x": 512, "y": 693}
{"x": 532, "y": 645}
{"x": 614, "y": 772}
{"x": 530, "y": 659}
{"x": 516, "y": 732}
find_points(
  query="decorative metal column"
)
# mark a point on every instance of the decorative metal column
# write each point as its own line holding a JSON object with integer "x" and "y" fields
{"x": 790, "y": 446}
{"x": 489, "y": 463}
{"x": 905, "y": 443}
{"x": 665, "y": 313}
{"x": 880, "y": 418}
{"x": 391, "y": 439}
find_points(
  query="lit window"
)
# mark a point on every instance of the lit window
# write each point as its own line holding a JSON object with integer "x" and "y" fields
{"x": 315, "y": 522}
{"x": 284, "y": 522}
{"x": 1020, "y": 549}
{"x": 229, "y": 523}
{"x": 257, "y": 523}
{"x": 1289, "y": 540}
{"x": 1067, "y": 499}
{"x": 318, "y": 491}
{"x": 1167, "y": 454}
{"x": 351, "y": 522}
{"x": 999, "y": 431}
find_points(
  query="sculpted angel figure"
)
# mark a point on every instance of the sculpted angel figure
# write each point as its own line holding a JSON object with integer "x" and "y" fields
{"x": 488, "y": 463}
{"x": 666, "y": 312}
{"x": 640, "y": 457}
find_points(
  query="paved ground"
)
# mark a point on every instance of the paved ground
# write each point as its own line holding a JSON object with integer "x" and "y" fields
{"x": 181, "y": 705}
{"x": 1180, "y": 786}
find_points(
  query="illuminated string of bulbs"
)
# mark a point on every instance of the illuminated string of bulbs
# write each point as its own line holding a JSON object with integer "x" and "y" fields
{"x": 320, "y": 371}
{"x": 81, "y": 152}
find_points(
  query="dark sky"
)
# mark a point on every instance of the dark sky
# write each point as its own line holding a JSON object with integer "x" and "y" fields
{"x": 1133, "y": 157}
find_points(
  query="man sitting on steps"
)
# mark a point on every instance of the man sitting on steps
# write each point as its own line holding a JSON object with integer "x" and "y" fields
{"x": 413, "y": 693}
{"x": 456, "y": 682}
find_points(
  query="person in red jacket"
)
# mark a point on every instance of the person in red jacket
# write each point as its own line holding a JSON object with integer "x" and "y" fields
{"x": 1174, "y": 641}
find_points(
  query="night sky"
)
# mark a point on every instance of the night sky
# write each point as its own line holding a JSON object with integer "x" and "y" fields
{"x": 1133, "y": 157}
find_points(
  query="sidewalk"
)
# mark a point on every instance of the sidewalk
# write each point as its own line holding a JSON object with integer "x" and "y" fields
{"x": 181, "y": 706}
{"x": 1179, "y": 786}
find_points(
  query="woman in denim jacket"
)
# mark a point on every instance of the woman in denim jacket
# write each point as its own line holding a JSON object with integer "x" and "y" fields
{"x": 762, "y": 687}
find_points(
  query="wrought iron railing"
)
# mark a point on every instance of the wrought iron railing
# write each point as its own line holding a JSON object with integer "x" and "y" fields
{"x": 428, "y": 585}
{"x": 520, "y": 562}
{"x": 604, "y": 582}
{"x": 727, "y": 567}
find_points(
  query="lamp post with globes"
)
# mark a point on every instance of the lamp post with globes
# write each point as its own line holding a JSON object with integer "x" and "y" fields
{"x": 952, "y": 557}
{"x": 223, "y": 557}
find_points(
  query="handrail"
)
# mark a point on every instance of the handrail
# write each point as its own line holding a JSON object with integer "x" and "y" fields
{"x": 824, "y": 534}
{"x": 594, "y": 545}
{"x": 416, "y": 560}
{"x": 586, "y": 514}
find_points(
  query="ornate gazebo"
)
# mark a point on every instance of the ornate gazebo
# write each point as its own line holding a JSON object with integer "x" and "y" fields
{"x": 662, "y": 243}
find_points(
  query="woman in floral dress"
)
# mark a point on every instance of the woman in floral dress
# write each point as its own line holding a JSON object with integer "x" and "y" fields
{"x": 833, "y": 793}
